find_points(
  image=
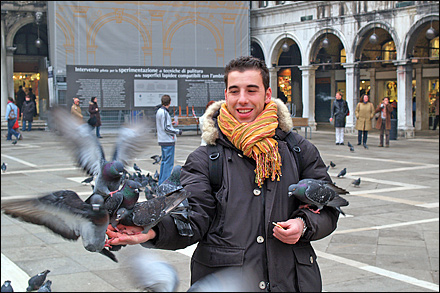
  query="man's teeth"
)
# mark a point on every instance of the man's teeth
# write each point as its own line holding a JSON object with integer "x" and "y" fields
{"x": 243, "y": 111}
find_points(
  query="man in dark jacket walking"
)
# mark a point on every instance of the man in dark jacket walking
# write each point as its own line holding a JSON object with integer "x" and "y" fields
{"x": 339, "y": 112}
{"x": 28, "y": 113}
{"x": 20, "y": 98}
{"x": 233, "y": 226}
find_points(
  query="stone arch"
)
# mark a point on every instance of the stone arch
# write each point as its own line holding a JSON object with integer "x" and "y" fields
{"x": 16, "y": 27}
{"x": 279, "y": 41}
{"x": 360, "y": 38}
{"x": 312, "y": 45}
{"x": 261, "y": 44}
{"x": 410, "y": 37}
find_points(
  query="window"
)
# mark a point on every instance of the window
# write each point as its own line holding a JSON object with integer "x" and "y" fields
{"x": 389, "y": 51}
{"x": 434, "y": 47}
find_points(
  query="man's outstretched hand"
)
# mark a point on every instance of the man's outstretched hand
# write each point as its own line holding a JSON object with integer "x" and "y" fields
{"x": 130, "y": 235}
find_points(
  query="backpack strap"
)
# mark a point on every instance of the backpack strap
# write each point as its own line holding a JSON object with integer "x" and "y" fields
{"x": 296, "y": 150}
{"x": 215, "y": 166}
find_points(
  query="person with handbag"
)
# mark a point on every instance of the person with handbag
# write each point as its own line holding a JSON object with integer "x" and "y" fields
{"x": 95, "y": 116}
{"x": 11, "y": 116}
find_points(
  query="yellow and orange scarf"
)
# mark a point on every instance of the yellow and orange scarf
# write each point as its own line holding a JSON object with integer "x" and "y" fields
{"x": 255, "y": 140}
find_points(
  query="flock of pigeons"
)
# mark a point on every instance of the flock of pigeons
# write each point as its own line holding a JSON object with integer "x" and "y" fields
{"x": 115, "y": 194}
{"x": 115, "y": 198}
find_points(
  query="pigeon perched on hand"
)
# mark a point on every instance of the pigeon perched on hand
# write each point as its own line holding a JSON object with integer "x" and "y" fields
{"x": 46, "y": 287}
{"x": 35, "y": 282}
{"x": 66, "y": 214}
{"x": 150, "y": 212}
{"x": 343, "y": 172}
{"x": 4, "y": 167}
{"x": 356, "y": 182}
{"x": 89, "y": 154}
{"x": 318, "y": 193}
{"x": 6, "y": 287}
{"x": 156, "y": 159}
{"x": 126, "y": 197}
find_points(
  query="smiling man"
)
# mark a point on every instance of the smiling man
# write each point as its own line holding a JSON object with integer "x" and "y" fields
{"x": 233, "y": 225}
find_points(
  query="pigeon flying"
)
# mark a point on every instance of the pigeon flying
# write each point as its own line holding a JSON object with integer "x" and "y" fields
{"x": 156, "y": 159}
{"x": 37, "y": 281}
{"x": 87, "y": 180}
{"x": 318, "y": 193}
{"x": 6, "y": 287}
{"x": 357, "y": 182}
{"x": 89, "y": 154}
{"x": 66, "y": 214}
{"x": 343, "y": 172}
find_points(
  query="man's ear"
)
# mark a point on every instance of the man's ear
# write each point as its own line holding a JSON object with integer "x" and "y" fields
{"x": 268, "y": 95}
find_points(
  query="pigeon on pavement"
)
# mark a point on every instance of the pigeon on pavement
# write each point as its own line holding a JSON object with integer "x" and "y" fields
{"x": 357, "y": 182}
{"x": 35, "y": 282}
{"x": 136, "y": 168}
{"x": 15, "y": 141}
{"x": 343, "y": 172}
{"x": 156, "y": 159}
{"x": 332, "y": 164}
{"x": 89, "y": 154}
{"x": 352, "y": 149}
{"x": 66, "y": 214}
{"x": 318, "y": 193}
{"x": 349, "y": 144}
{"x": 4, "y": 167}
{"x": 46, "y": 287}
{"x": 6, "y": 287}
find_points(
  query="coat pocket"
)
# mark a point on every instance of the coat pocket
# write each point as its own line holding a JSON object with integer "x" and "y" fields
{"x": 219, "y": 256}
{"x": 307, "y": 270}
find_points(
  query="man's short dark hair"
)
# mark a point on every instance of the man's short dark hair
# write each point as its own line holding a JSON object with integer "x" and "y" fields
{"x": 166, "y": 100}
{"x": 244, "y": 63}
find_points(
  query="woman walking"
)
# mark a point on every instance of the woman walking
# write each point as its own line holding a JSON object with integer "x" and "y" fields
{"x": 364, "y": 113}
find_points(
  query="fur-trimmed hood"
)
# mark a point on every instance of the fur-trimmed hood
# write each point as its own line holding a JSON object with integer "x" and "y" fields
{"x": 211, "y": 132}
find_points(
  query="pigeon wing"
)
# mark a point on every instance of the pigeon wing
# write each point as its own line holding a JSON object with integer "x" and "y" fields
{"x": 63, "y": 212}
{"x": 131, "y": 141}
{"x": 149, "y": 213}
{"x": 80, "y": 140}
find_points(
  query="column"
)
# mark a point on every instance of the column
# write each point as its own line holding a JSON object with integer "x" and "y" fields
{"x": 404, "y": 99}
{"x": 273, "y": 80}
{"x": 4, "y": 78}
{"x": 422, "y": 118}
{"x": 352, "y": 91}
{"x": 308, "y": 93}
{"x": 10, "y": 70}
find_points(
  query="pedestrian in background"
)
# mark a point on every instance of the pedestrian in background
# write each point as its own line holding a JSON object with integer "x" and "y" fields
{"x": 20, "y": 97}
{"x": 364, "y": 113}
{"x": 166, "y": 137}
{"x": 384, "y": 121}
{"x": 11, "y": 116}
{"x": 339, "y": 112}
{"x": 75, "y": 110}
{"x": 28, "y": 114}
{"x": 34, "y": 100}
{"x": 94, "y": 112}
{"x": 202, "y": 118}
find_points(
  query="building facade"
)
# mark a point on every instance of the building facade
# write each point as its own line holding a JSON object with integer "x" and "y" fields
{"x": 382, "y": 48}
{"x": 312, "y": 48}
